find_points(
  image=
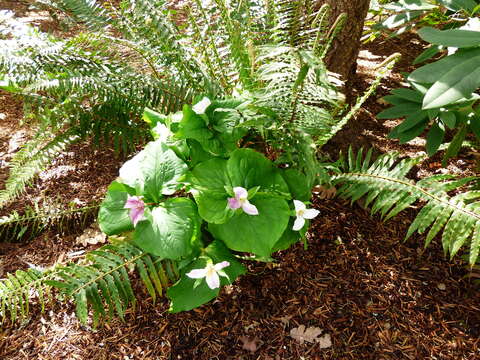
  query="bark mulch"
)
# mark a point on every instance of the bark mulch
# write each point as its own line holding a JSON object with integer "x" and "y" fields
{"x": 376, "y": 296}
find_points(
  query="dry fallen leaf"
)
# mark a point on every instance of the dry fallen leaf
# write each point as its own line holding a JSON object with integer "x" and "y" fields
{"x": 250, "y": 344}
{"x": 311, "y": 334}
{"x": 325, "y": 192}
{"x": 91, "y": 236}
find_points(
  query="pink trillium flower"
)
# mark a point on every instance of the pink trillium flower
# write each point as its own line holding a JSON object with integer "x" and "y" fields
{"x": 241, "y": 201}
{"x": 210, "y": 273}
{"x": 137, "y": 208}
{"x": 302, "y": 213}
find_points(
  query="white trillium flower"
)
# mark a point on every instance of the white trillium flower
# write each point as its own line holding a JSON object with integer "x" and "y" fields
{"x": 210, "y": 273}
{"x": 302, "y": 213}
{"x": 241, "y": 201}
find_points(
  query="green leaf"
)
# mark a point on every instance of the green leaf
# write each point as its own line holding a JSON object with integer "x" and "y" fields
{"x": 297, "y": 184}
{"x": 427, "y": 54}
{"x": 113, "y": 218}
{"x": 154, "y": 171}
{"x": 430, "y": 73}
{"x": 412, "y": 121}
{"x": 161, "y": 169}
{"x": 408, "y": 94}
{"x": 458, "y": 5}
{"x": 248, "y": 168}
{"x": 399, "y": 111}
{"x": 255, "y": 234}
{"x": 434, "y": 139}
{"x": 171, "y": 229}
{"x": 452, "y": 37}
{"x": 474, "y": 124}
{"x": 448, "y": 118}
{"x": 185, "y": 297}
{"x": 460, "y": 82}
{"x": 456, "y": 144}
{"x": 290, "y": 237}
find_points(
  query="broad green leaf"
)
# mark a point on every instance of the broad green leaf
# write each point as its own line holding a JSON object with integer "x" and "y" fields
{"x": 213, "y": 206}
{"x": 448, "y": 118}
{"x": 210, "y": 175}
{"x": 474, "y": 124}
{"x": 427, "y": 54}
{"x": 171, "y": 229}
{"x": 452, "y": 37}
{"x": 457, "y": 5}
{"x": 297, "y": 184}
{"x": 113, "y": 218}
{"x": 412, "y": 121}
{"x": 185, "y": 297}
{"x": 248, "y": 168}
{"x": 434, "y": 139}
{"x": 255, "y": 234}
{"x": 161, "y": 170}
{"x": 408, "y": 94}
{"x": 455, "y": 144}
{"x": 430, "y": 73}
{"x": 460, "y": 82}
{"x": 290, "y": 237}
{"x": 154, "y": 171}
{"x": 399, "y": 111}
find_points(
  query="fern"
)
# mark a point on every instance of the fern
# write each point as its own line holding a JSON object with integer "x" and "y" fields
{"x": 17, "y": 290}
{"x": 37, "y": 219}
{"x": 102, "y": 283}
{"x": 385, "y": 186}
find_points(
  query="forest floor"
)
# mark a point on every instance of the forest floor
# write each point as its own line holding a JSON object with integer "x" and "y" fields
{"x": 376, "y": 296}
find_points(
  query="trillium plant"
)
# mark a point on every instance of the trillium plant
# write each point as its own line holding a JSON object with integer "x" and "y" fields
{"x": 194, "y": 197}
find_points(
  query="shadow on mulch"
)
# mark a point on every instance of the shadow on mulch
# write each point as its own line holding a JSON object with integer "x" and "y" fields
{"x": 377, "y": 297}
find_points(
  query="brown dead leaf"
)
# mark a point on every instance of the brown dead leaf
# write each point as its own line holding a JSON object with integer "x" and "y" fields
{"x": 325, "y": 192}
{"x": 91, "y": 236}
{"x": 311, "y": 334}
{"x": 249, "y": 344}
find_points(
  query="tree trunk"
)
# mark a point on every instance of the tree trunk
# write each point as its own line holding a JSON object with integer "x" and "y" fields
{"x": 343, "y": 55}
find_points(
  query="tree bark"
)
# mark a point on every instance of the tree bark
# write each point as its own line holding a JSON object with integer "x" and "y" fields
{"x": 342, "y": 58}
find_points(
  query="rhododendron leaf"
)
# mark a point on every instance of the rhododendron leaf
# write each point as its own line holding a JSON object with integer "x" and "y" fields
{"x": 113, "y": 218}
{"x": 255, "y": 234}
{"x": 172, "y": 229}
{"x": 184, "y": 296}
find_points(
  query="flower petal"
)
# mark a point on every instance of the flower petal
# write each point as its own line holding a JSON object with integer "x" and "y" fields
{"x": 310, "y": 213}
{"x": 136, "y": 214}
{"x": 221, "y": 265}
{"x": 197, "y": 273}
{"x": 249, "y": 209}
{"x": 213, "y": 280}
{"x": 233, "y": 203}
{"x": 298, "y": 224}
{"x": 299, "y": 205}
{"x": 133, "y": 202}
{"x": 240, "y": 192}
{"x": 201, "y": 106}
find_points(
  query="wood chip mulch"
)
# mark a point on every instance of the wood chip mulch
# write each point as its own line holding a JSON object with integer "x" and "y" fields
{"x": 377, "y": 297}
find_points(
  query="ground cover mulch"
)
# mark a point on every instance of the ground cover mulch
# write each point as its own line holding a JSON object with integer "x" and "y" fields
{"x": 376, "y": 296}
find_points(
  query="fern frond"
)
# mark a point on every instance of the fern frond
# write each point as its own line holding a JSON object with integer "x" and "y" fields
{"x": 17, "y": 291}
{"x": 385, "y": 186}
{"x": 103, "y": 282}
{"x": 89, "y": 12}
{"x": 27, "y": 162}
{"x": 37, "y": 219}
